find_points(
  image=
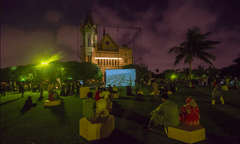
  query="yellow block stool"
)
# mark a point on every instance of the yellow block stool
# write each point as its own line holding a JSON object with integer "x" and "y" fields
{"x": 169, "y": 92}
{"x": 140, "y": 92}
{"x": 52, "y": 103}
{"x": 187, "y": 135}
{"x": 116, "y": 95}
{"x": 109, "y": 105}
{"x": 152, "y": 93}
{"x": 97, "y": 131}
{"x": 83, "y": 91}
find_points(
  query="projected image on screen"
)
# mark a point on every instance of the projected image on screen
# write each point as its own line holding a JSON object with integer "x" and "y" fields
{"x": 120, "y": 77}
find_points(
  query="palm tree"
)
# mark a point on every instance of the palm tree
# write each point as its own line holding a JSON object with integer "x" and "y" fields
{"x": 194, "y": 46}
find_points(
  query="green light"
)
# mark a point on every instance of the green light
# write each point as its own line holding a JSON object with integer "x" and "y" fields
{"x": 70, "y": 78}
{"x": 23, "y": 79}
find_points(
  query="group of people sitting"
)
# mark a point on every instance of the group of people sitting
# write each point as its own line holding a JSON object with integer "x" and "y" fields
{"x": 168, "y": 114}
{"x": 97, "y": 110}
{"x": 53, "y": 95}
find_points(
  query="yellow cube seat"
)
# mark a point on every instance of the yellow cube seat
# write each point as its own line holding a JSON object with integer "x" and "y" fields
{"x": 140, "y": 92}
{"x": 97, "y": 131}
{"x": 83, "y": 91}
{"x": 52, "y": 103}
{"x": 109, "y": 105}
{"x": 187, "y": 135}
{"x": 169, "y": 92}
{"x": 152, "y": 93}
{"x": 116, "y": 95}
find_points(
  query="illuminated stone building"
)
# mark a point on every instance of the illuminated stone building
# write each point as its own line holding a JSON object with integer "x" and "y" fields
{"x": 106, "y": 53}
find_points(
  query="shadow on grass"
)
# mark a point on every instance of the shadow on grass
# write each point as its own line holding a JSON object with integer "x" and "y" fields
{"x": 227, "y": 123}
{"x": 40, "y": 98}
{"x": 60, "y": 112}
{"x": 120, "y": 112}
{"x": 9, "y": 101}
{"x": 117, "y": 137}
{"x": 26, "y": 108}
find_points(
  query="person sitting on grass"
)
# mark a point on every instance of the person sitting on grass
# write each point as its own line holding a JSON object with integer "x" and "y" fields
{"x": 97, "y": 97}
{"x": 166, "y": 114}
{"x": 28, "y": 104}
{"x": 89, "y": 106}
{"x": 189, "y": 113}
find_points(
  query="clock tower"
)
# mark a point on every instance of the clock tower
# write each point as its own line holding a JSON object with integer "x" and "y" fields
{"x": 88, "y": 38}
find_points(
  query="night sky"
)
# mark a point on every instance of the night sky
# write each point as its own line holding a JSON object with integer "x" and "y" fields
{"x": 33, "y": 29}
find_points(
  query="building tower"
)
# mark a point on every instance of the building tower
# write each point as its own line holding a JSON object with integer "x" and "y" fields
{"x": 89, "y": 38}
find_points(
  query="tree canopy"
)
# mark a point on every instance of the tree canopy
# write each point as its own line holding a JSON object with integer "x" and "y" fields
{"x": 195, "y": 46}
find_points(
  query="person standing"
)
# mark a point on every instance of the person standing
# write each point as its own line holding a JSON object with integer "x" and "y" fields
{"x": 21, "y": 89}
{"x": 50, "y": 88}
{"x": 77, "y": 91}
{"x": 136, "y": 88}
{"x": 154, "y": 87}
{"x": 3, "y": 89}
{"x": 217, "y": 92}
{"x": 235, "y": 83}
{"x": 41, "y": 89}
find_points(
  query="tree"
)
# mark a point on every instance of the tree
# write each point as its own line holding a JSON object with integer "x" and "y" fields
{"x": 237, "y": 60}
{"x": 212, "y": 71}
{"x": 194, "y": 46}
{"x": 6, "y": 74}
{"x": 200, "y": 71}
{"x": 157, "y": 71}
{"x": 141, "y": 70}
{"x": 87, "y": 70}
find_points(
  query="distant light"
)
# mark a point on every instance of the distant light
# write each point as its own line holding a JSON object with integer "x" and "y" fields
{"x": 45, "y": 63}
{"x": 42, "y": 63}
{"x": 106, "y": 58}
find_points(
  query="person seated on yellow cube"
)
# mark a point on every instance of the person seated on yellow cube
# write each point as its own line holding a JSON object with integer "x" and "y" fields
{"x": 115, "y": 88}
{"x": 166, "y": 114}
{"x": 189, "y": 113}
{"x": 101, "y": 108}
{"x": 89, "y": 106}
{"x": 55, "y": 95}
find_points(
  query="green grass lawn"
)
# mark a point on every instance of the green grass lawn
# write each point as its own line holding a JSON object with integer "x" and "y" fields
{"x": 60, "y": 124}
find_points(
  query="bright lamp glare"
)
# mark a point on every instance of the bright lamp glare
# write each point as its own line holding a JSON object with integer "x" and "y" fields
{"x": 106, "y": 58}
{"x": 45, "y": 63}
{"x": 42, "y": 63}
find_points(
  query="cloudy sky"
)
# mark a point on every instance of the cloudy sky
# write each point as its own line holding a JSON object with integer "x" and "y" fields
{"x": 34, "y": 29}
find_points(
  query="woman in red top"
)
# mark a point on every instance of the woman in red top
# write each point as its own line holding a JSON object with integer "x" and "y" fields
{"x": 189, "y": 114}
{"x": 50, "y": 96}
{"x": 97, "y": 97}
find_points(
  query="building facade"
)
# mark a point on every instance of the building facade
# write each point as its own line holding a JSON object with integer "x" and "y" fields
{"x": 106, "y": 53}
